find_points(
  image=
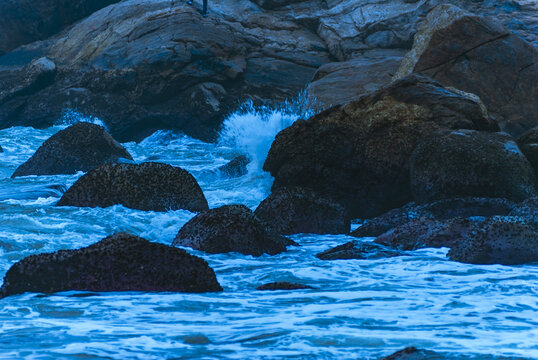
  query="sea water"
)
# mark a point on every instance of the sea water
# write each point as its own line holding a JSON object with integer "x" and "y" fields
{"x": 359, "y": 309}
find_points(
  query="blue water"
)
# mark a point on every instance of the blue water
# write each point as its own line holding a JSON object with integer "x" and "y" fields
{"x": 359, "y": 309}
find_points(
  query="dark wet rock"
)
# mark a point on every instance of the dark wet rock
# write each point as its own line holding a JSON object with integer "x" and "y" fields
{"x": 527, "y": 208}
{"x": 30, "y": 192}
{"x": 479, "y": 55}
{"x": 412, "y": 353}
{"x": 298, "y": 210}
{"x": 235, "y": 168}
{"x": 505, "y": 241}
{"x": 25, "y": 21}
{"x": 440, "y": 210}
{"x": 147, "y": 186}
{"x": 1, "y": 150}
{"x": 470, "y": 163}
{"x": 528, "y": 143}
{"x": 359, "y": 152}
{"x": 80, "y": 147}
{"x": 120, "y": 262}
{"x": 341, "y": 82}
{"x": 358, "y": 250}
{"x": 271, "y": 4}
{"x": 230, "y": 228}
{"x": 283, "y": 285}
{"x": 425, "y": 233}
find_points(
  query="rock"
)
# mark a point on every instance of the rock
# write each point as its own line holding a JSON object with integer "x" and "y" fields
{"x": 237, "y": 167}
{"x": 412, "y": 353}
{"x": 120, "y": 262}
{"x": 358, "y": 250}
{"x": 478, "y": 55}
{"x": 155, "y": 64}
{"x": 271, "y": 4}
{"x": 147, "y": 186}
{"x": 25, "y": 21}
{"x": 527, "y": 208}
{"x": 439, "y": 210}
{"x": 230, "y": 228}
{"x": 358, "y": 153}
{"x": 80, "y": 147}
{"x": 1, "y": 150}
{"x": 283, "y": 285}
{"x": 505, "y": 241}
{"x": 341, "y": 82}
{"x": 470, "y": 163}
{"x": 298, "y": 210}
{"x": 528, "y": 143}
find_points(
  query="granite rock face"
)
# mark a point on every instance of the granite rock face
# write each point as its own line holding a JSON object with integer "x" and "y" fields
{"x": 298, "y": 210}
{"x": 230, "y": 228}
{"x": 120, "y": 262}
{"x": 80, "y": 147}
{"x": 470, "y": 163}
{"x": 478, "y": 55}
{"x": 147, "y": 186}
{"x": 359, "y": 153}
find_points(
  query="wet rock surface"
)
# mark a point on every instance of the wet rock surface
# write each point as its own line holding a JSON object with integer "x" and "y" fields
{"x": 359, "y": 152}
{"x": 480, "y": 56}
{"x": 528, "y": 143}
{"x": 235, "y": 168}
{"x": 230, "y": 228}
{"x": 80, "y": 147}
{"x": 358, "y": 250}
{"x": 470, "y": 163}
{"x": 146, "y": 186}
{"x": 120, "y": 262}
{"x": 298, "y": 210}
{"x": 283, "y": 285}
{"x": 412, "y": 353}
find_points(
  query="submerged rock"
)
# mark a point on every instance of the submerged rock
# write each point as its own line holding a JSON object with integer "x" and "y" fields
{"x": 359, "y": 153}
{"x": 283, "y": 285}
{"x": 1, "y": 150}
{"x": 358, "y": 250}
{"x": 478, "y": 55}
{"x": 470, "y": 163}
{"x": 235, "y": 168}
{"x": 412, "y": 353}
{"x": 298, "y": 210}
{"x": 147, "y": 186}
{"x": 230, "y": 228}
{"x": 120, "y": 262}
{"x": 80, "y": 147}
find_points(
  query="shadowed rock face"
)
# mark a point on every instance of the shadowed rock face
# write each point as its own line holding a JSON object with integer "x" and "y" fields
{"x": 299, "y": 210}
{"x": 80, "y": 147}
{"x": 480, "y": 56}
{"x": 359, "y": 153}
{"x": 231, "y": 228}
{"x": 120, "y": 262}
{"x": 146, "y": 186}
{"x": 470, "y": 163}
{"x": 528, "y": 143}
{"x": 25, "y": 21}
{"x": 358, "y": 250}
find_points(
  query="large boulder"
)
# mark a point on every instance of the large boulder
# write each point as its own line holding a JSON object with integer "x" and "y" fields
{"x": 154, "y": 64}
{"x": 25, "y": 21}
{"x": 528, "y": 143}
{"x": 120, "y": 262}
{"x": 299, "y": 210}
{"x": 506, "y": 241}
{"x": 80, "y": 147}
{"x": 147, "y": 186}
{"x": 439, "y": 210}
{"x": 359, "y": 152}
{"x": 478, "y": 55}
{"x": 470, "y": 163}
{"x": 230, "y": 228}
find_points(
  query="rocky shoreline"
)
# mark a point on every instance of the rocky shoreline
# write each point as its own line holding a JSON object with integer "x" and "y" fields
{"x": 425, "y": 128}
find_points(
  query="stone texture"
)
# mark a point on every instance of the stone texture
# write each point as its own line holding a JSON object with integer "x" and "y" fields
{"x": 230, "y": 228}
{"x": 299, "y": 210}
{"x": 528, "y": 143}
{"x": 120, "y": 262}
{"x": 358, "y": 250}
{"x": 470, "y": 163}
{"x": 235, "y": 168}
{"x": 480, "y": 56}
{"x": 359, "y": 152}
{"x": 147, "y": 186}
{"x": 80, "y": 147}
{"x": 412, "y": 353}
